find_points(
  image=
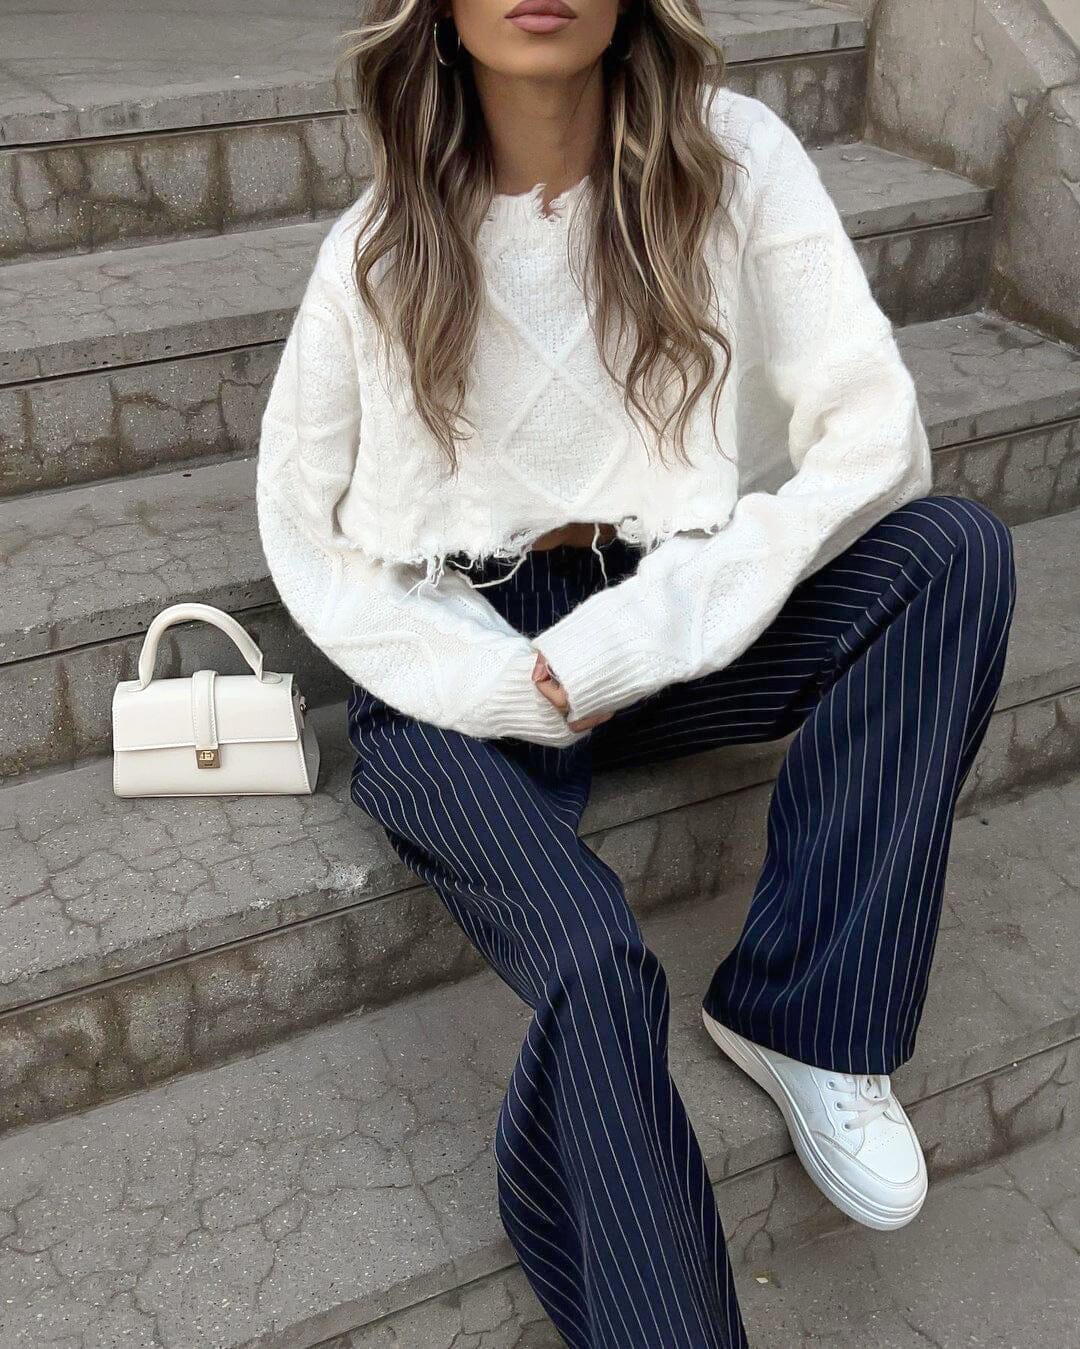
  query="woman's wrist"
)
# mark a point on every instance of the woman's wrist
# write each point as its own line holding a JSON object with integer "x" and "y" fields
{"x": 552, "y": 688}
{"x": 549, "y": 684}
{"x": 518, "y": 709}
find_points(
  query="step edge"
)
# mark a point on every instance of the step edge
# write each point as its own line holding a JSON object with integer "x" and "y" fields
{"x": 87, "y": 976}
{"x": 493, "y": 1255}
{"x": 56, "y": 126}
{"x": 965, "y": 205}
{"x": 49, "y": 638}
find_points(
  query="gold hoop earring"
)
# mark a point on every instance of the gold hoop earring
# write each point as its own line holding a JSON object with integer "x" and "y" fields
{"x": 442, "y": 60}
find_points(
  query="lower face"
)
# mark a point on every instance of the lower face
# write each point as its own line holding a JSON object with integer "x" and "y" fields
{"x": 540, "y": 39}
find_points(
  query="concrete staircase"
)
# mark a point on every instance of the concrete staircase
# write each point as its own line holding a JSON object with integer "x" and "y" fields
{"x": 248, "y": 1067}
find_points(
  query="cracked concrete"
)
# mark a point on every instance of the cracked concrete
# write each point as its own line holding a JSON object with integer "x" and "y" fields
{"x": 960, "y": 97}
{"x": 150, "y": 67}
{"x": 987, "y": 1262}
{"x": 298, "y": 909}
{"x": 877, "y": 191}
{"x": 109, "y": 424}
{"x": 123, "y": 306}
{"x": 91, "y": 195}
{"x": 343, "y": 1178}
{"x": 99, "y": 562}
{"x": 209, "y": 871}
{"x": 1046, "y": 631}
{"x": 159, "y": 302}
{"x": 921, "y": 275}
{"x": 820, "y": 95}
{"x": 320, "y": 1184}
{"x": 235, "y": 131}
{"x": 991, "y": 89}
{"x": 978, "y": 378}
{"x": 69, "y": 73}
{"x": 128, "y": 959}
{"x": 1038, "y": 257}
{"x": 117, "y": 192}
{"x": 90, "y": 567}
{"x": 1024, "y": 476}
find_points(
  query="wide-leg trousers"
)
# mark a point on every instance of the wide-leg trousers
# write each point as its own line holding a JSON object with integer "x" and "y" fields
{"x": 885, "y": 663}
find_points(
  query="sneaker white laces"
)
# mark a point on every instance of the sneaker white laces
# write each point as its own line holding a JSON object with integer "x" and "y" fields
{"x": 867, "y": 1098}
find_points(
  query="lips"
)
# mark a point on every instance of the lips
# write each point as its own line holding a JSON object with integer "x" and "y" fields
{"x": 541, "y": 16}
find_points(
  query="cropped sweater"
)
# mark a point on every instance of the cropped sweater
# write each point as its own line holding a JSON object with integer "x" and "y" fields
{"x": 818, "y": 435}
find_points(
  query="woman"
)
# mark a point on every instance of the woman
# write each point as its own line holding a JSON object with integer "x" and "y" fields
{"x": 590, "y": 446}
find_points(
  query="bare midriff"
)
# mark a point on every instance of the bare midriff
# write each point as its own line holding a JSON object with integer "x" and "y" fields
{"x": 578, "y": 535}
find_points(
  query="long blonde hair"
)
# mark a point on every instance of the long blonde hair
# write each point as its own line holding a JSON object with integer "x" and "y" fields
{"x": 657, "y": 179}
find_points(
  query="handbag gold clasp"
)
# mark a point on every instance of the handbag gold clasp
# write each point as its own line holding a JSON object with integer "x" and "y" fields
{"x": 207, "y": 758}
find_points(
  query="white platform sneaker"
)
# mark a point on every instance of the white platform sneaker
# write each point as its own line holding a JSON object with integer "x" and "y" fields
{"x": 850, "y": 1133}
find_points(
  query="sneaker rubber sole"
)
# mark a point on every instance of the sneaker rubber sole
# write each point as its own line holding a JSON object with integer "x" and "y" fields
{"x": 856, "y": 1206}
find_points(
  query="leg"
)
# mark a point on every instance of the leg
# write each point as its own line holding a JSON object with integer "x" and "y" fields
{"x": 888, "y": 661}
{"x": 832, "y": 966}
{"x": 602, "y": 1186}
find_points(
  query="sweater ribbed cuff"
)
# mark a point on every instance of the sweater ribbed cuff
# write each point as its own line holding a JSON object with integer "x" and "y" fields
{"x": 601, "y": 665}
{"x": 515, "y": 707}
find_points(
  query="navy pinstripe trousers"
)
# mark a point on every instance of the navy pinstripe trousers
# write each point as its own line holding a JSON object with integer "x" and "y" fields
{"x": 886, "y": 663}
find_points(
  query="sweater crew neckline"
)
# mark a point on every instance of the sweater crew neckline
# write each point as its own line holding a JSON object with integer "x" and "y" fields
{"x": 813, "y": 435}
{"x": 525, "y": 209}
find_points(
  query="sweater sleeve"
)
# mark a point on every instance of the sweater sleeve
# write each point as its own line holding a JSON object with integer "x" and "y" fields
{"x": 856, "y": 441}
{"x": 442, "y": 653}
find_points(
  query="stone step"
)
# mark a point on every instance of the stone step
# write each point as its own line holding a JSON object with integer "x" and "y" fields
{"x": 90, "y": 566}
{"x": 143, "y": 938}
{"x": 147, "y": 125}
{"x": 189, "y": 297}
{"x": 121, "y": 71}
{"x": 344, "y": 1176}
{"x": 1000, "y": 405}
{"x": 166, "y": 353}
{"x": 991, "y": 1260}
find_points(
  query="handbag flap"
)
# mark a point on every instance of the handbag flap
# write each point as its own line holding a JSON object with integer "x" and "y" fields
{"x": 160, "y": 715}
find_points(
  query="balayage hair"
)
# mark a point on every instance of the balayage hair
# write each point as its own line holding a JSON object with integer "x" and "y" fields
{"x": 656, "y": 183}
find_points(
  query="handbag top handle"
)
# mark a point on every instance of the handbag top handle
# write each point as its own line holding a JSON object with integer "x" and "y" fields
{"x": 181, "y": 613}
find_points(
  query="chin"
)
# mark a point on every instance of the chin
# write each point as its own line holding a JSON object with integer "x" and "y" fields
{"x": 549, "y": 66}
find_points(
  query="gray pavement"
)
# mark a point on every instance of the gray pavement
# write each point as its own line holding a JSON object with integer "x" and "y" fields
{"x": 299, "y": 1063}
{"x": 346, "y": 1174}
{"x": 992, "y": 1262}
{"x": 72, "y": 70}
{"x": 186, "y": 296}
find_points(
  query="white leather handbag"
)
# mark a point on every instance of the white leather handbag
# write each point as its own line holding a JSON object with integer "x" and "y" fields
{"x": 210, "y": 734}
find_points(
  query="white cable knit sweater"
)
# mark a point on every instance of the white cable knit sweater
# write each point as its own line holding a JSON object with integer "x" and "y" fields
{"x": 819, "y": 437}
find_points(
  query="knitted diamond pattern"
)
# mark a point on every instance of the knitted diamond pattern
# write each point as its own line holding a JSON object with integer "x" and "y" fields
{"x": 818, "y": 436}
